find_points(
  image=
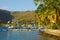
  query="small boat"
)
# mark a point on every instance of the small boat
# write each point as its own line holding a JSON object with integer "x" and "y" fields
{"x": 41, "y": 28}
{"x": 3, "y": 28}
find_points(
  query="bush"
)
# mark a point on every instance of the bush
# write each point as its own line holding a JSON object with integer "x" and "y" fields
{"x": 54, "y": 26}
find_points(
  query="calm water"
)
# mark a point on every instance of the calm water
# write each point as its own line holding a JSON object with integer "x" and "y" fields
{"x": 24, "y": 35}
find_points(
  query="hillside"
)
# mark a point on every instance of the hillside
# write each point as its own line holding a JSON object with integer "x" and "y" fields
{"x": 23, "y": 15}
{"x": 5, "y": 16}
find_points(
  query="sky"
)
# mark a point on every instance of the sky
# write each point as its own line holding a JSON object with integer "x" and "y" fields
{"x": 17, "y": 5}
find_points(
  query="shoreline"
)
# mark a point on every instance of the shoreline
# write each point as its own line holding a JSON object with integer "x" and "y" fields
{"x": 51, "y": 32}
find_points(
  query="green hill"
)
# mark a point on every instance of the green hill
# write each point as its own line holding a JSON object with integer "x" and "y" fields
{"x": 23, "y": 16}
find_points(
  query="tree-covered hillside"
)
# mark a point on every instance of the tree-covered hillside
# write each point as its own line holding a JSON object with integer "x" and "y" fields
{"x": 22, "y": 16}
{"x": 5, "y": 16}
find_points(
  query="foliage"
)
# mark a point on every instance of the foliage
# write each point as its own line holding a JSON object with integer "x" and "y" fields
{"x": 24, "y": 17}
{"x": 5, "y": 16}
{"x": 48, "y": 11}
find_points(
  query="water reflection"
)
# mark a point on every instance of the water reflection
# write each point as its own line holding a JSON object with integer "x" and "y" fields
{"x": 24, "y": 35}
{"x": 3, "y": 35}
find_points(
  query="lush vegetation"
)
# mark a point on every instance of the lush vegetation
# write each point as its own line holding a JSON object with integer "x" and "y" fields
{"x": 5, "y": 16}
{"x": 48, "y": 13}
{"x": 11, "y": 18}
{"x": 24, "y": 17}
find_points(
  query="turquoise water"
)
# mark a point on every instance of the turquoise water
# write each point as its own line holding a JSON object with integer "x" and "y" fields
{"x": 23, "y": 35}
